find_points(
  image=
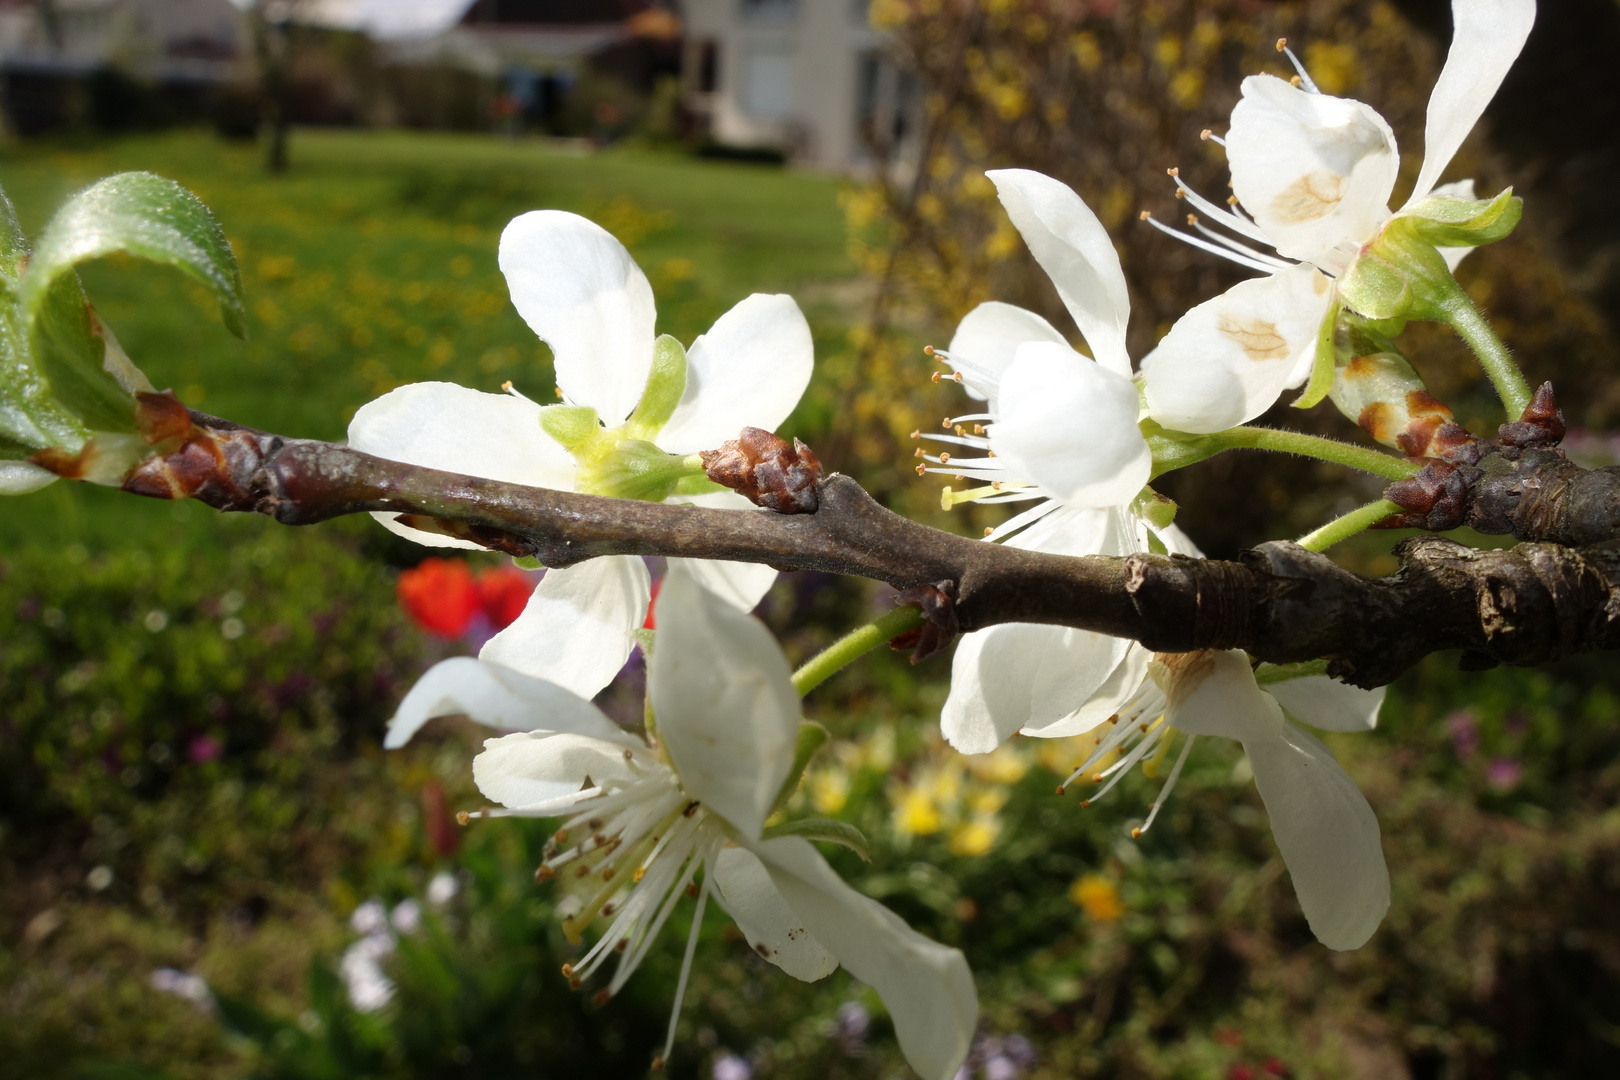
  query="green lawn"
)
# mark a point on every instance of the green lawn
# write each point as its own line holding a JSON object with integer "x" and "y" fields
{"x": 372, "y": 263}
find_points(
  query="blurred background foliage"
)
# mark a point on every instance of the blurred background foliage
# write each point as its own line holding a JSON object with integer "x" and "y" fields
{"x": 191, "y": 707}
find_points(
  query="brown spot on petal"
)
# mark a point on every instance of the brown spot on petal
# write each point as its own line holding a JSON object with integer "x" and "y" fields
{"x": 1258, "y": 338}
{"x": 1310, "y": 198}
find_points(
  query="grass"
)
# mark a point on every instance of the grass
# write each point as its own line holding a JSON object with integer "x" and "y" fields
{"x": 371, "y": 263}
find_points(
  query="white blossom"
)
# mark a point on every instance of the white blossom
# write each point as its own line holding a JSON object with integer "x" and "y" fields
{"x": 1311, "y": 179}
{"x": 643, "y": 818}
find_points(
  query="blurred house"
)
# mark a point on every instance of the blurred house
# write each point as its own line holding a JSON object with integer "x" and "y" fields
{"x": 808, "y": 77}
{"x": 104, "y": 61}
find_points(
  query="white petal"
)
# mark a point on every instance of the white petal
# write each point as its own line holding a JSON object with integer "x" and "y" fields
{"x": 538, "y": 766}
{"x": 441, "y": 425}
{"x": 724, "y": 700}
{"x": 1074, "y": 249}
{"x": 497, "y": 696}
{"x": 1069, "y": 425}
{"x": 773, "y": 930}
{"x": 1214, "y": 693}
{"x": 1019, "y": 675}
{"x": 1326, "y": 832}
{"x": 1328, "y": 703}
{"x": 986, "y": 339}
{"x": 926, "y": 986}
{"x": 749, "y": 370}
{"x": 21, "y": 477}
{"x": 1457, "y": 189}
{"x": 581, "y": 293}
{"x": 575, "y": 630}
{"x": 1081, "y": 531}
{"x": 1486, "y": 38}
{"x": 1314, "y": 171}
{"x": 742, "y": 585}
{"x": 1122, "y": 684}
{"x": 1228, "y": 360}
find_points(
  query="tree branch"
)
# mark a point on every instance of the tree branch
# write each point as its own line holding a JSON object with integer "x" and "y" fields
{"x": 1528, "y": 605}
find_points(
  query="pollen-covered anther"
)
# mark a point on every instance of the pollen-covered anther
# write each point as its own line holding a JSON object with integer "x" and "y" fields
{"x": 568, "y": 971}
{"x": 1205, "y": 134}
{"x": 937, "y": 376}
{"x": 1145, "y": 215}
{"x": 543, "y": 873}
{"x": 1192, "y": 219}
{"x": 916, "y": 433}
{"x": 1174, "y": 170}
{"x": 692, "y": 890}
{"x": 922, "y": 470}
{"x": 1296, "y": 81}
{"x": 1282, "y": 43}
{"x": 988, "y": 531}
{"x": 944, "y": 459}
{"x": 957, "y": 377}
{"x": 918, "y": 453}
{"x": 1136, "y": 834}
{"x": 561, "y": 836}
{"x": 978, "y": 429}
{"x": 462, "y": 817}
{"x": 575, "y": 983}
{"x": 658, "y": 1063}
{"x": 641, "y": 872}
{"x": 601, "y": 997}
{"x": 945, "y": 424}
{"x": 623, "y": 944}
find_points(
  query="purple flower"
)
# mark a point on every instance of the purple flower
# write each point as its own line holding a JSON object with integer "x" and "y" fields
{"x": 1464, "y": 732}
{"x": 1504, "y": 774}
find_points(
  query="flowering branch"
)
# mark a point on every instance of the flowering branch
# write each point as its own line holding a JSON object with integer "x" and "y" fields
{"x": 1281, "y": 603}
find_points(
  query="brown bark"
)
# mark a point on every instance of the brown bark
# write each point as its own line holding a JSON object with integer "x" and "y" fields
{"x": 1528, "y": 605}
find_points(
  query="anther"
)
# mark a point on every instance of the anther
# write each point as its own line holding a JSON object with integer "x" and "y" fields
{"x": 506, "y": 387}
{"x": 1231, "y": 200}
{"x": 1061, "y": 789}
{"x": 601, "y": 997}
{"x": 568, "y": 971}
{"x": 988, "y": 530}
{"x": 1145, "y": 215}
{"x": 1084, "y": 803}
{"x": 692, "y": 890}
{"x": 918, "y": 453}
{"x": 641, "y": 872}
{"x": 978, "y": 429}
{"x": 544, "y": 873}
{"x": 944, "y": 459}
{"x": 658, "y": 1063}
{"x": 937, "y": 376}
{"x": 1192, "y": 219}
{"x": 594, "y": 824}
{"x": 691, "y": 808}
{"x": 1282, "y": 43}
{"x": 945, "y": 423}
{"x": 922, "y": 470}
{"x": 956, "y": 377}
{"x": 561, "y": 836}
{"x": 607, "y": 873}
{"x": 916, "y": 433}
{"x": 608, "y": 909}
{"x": 928, "y": 350}
{"x": 1174, "y": 170}
{"x": 1296, "y": 81}
{"x": 624, "y": 943}
{"x": 1136, "y": 834}
{"x": 575, "y": 983}
{"x": 959, "y": 429}
{"x": 1180, "y": 194}
{"x": 1205, "y": 134}
{"x": 583, "y": 871}
{"x": 462, "y": 817}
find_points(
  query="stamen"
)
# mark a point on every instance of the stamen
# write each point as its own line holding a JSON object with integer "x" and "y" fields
{"x": 1240, "y": 225}
{"x": 1169, "y": 785}
{"x": 686, "y": 966}
{"x": 1213, "y": 249}
{"x": 1209, "y": 136}
{"x": 1304, "y": 78}
{"x": 1280, "y": 264}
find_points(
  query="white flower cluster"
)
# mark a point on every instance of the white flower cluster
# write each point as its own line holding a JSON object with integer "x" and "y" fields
{"x": 682, "y": 811}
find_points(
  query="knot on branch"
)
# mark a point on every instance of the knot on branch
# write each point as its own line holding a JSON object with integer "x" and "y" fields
{"x": 1541, "y": 425}
{"x": 1187, "y": 603}
{"x": 1435, "y": 499}
{"x": 762, "y": 467}
{"x": 937, "y": 602}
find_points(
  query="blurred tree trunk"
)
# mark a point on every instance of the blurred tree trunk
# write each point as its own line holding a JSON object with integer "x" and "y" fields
{"x": 271, "y": 46}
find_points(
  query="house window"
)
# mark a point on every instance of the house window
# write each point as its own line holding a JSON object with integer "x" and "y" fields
{"x": 706, "y": 66}
{"x": 767, "y": 83}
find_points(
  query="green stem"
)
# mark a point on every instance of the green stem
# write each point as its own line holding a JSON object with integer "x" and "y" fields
{"x": 857, "y": 643}
{"x": 1341, "y": 529}
{"x": 1314, "y": 446}
{"x": 1492, "y": 354}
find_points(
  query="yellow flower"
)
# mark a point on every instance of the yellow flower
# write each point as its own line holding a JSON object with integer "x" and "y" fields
{"x": 1098, "y": 897}
{"x": 1004, "y": 765}
{"x": 829, "y": 790}
{"x": 916, "y": 813}
{"x": 974, "y": 838}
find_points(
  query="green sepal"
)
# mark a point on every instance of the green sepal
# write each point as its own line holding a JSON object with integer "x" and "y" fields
{"x": 149, "y": 217}
{"x": 1174, "y": 450}
{"x": 666, "y": 383}
{"x": 1155, "y": 509}
{"x": 698, "y": 485}
{"x": 630, "y": 469}
{"x": 1326, "y": 360}
{"x": 572, "y": 426}
{"x": 812, "y": 737}
{"x": 827, "y": 829}
{"x": 1268, "y": 674}
{"x": 1449, "y": 222}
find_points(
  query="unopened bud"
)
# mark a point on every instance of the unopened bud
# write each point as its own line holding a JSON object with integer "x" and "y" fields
{"x": 762, "y": 467}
